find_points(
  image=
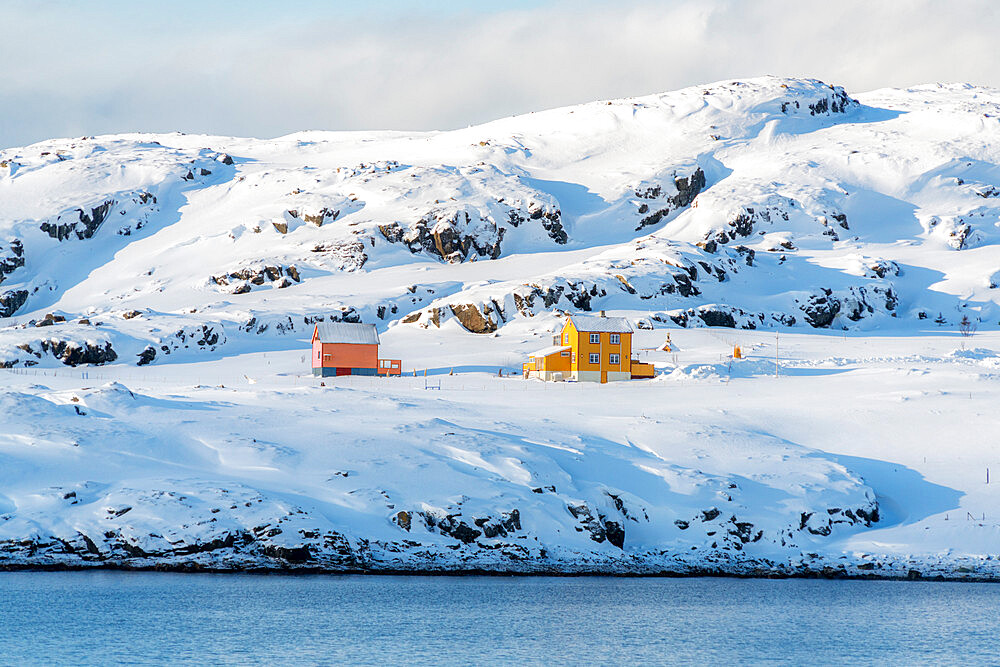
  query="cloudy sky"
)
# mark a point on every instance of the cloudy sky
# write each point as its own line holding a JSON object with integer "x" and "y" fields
{"x": 69, "y": 68}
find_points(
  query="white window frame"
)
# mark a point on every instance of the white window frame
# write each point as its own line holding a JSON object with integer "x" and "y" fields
{"x": 616, "y": 339}
{"x": 564, "y": 353}
{"x": 595, "y": 338}
{"x": 595, "y": 358}
{"x": 614, "y": 359}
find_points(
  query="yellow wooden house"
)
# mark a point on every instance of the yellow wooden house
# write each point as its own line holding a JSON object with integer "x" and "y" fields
{"x": 589, "y": 349}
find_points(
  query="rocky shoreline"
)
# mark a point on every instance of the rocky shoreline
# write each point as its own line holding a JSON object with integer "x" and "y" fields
{"x": 967, "y": 569}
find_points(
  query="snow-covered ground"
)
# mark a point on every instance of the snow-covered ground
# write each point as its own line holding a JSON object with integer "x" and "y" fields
{"x": 867, "y": 454}
{"x": 157, "y": 293}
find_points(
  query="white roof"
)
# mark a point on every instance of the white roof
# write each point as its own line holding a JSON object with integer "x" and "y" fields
{"x": 591, "y": 324}
{"x": 551, "y": 349}
{"x": 347, "y": 332}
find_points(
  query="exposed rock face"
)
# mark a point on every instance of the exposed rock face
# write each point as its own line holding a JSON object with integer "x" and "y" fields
{"x": 459, "y": 235}
{"x": 11, "y": 258}
{"x": 84, "y": 227}
{"x": 551, "y": 221}
{"x": 473, "y": 319}
{"x": 345, "y": 256}
{"x": 242, "y": 279}
{"x": 146, "y": 356}
{"x": 687, "y": 188}
{"x": 11, "y": 301}
{"x": 74, "y": 354}
{"x": 319, "y": 218}
{"x": 598, "y": 525}
{"x": 578, "y": 294}
{"x": 743, "y": 221}
{"x": 448, "y": 236}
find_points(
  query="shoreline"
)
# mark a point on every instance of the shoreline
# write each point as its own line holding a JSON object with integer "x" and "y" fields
{"x": 828, "y": 574}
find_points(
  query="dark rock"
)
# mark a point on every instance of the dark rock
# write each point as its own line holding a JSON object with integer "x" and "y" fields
{"x": 74, "y": 354}
{"x": 84, "y": 228}
{"x": 710, "y": 514}
{"x": 615, "y": 533}
{"x": 298, "y": 554}
{"x": 821, "y": 309}
{"x": 146, "y": 356}
{"x": 717, "y": 318}
{"x": 11, "y": 301}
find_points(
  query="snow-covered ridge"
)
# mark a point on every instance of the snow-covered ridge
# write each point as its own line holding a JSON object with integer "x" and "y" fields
{"x": 760, "y": 203}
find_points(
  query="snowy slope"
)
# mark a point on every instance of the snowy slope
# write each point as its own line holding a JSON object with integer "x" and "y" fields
{"x": 763, "y": 203}
{"x": 866, "y": 456}
{"x": 181, "y": 276}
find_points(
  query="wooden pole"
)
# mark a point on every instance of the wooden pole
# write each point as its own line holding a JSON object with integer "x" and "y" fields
{"x": 775, "y": 354}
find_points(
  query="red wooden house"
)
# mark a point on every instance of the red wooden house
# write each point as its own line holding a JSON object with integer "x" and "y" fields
{"x": 346, "y": 348}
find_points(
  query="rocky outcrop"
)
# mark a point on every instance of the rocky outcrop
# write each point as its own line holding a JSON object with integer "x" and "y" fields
{"x": 146, "y": 356}
{"x": 321, "y": 217}
{"x": 686, "y": 189}
{"x": 343, "y": 256}
{"x": 242, "y": 279}
{"x": 11, "y": 301}
{"x": 473, "y": 319}
{"x": 463, "y": 234}
{"x": 597, "y": 525}
{"x": 11, "y": 258}
{"x": 448, "y": 235}
{"x": 73, "y": 353}
{"x": 550, "y": 219}
{"x": 529, "y": 298}
{"x": 743, "y": 221}
{"x": 820, "y": 310}
{"x": 84, "y": 227}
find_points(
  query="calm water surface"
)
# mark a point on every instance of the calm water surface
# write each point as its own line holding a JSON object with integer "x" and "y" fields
{"x": 148, "y": 618}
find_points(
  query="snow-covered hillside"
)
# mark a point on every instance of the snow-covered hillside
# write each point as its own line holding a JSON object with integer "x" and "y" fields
{"x": 179, "y": 276}
{"x": 761, "y": 203}
{"x": 866, "y": 456}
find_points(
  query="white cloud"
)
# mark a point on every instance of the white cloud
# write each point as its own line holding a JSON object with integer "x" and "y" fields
{"x": 68, "y": 71}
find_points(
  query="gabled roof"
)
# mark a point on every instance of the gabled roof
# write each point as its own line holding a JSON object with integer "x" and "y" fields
{"x": 591, "y": 324}
{"x": 347, "y": 332}
{"x": 552, "y": 349}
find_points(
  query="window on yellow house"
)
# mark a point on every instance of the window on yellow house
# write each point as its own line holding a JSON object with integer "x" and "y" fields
{"x": 595, "y": 339}
{"x": 616, "y": 339}
{"x": 614, "y": 359}
{"x": 595, "y": 358}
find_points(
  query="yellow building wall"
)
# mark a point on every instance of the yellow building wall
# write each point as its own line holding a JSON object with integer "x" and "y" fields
{"x": 583, "y": 348}
{"x": 556, "y": 363}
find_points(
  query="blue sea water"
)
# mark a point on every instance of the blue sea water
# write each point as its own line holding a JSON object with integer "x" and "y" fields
{"x": 99, "y": 618}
